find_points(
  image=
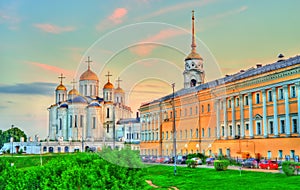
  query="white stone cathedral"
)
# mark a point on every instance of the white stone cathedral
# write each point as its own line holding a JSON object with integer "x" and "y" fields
{"x": 83, "y": 115}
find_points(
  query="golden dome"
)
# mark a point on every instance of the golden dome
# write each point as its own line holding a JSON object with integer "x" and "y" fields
{"x": 89, "y": 75}
{"x": 108, "y": 85}
{"x": 73, "y": 92}
{"x": 193, "y": 55}
{"x": 119, "y": 90}
{"x": 61, "y": 87}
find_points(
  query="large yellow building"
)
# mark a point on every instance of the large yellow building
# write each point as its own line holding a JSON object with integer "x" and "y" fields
{"x": 255, "y": 112}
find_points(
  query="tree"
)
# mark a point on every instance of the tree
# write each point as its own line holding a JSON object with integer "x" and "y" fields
{"x": 14, "y": 132}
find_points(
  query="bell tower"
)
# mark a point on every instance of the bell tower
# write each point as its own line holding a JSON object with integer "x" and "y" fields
{"x": 193, "y": 73}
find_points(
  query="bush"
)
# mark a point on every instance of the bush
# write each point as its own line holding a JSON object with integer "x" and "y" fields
{"x": 290, "y": 168}
{"x": 191, "y": 163}
{"x": 221, "y": 165}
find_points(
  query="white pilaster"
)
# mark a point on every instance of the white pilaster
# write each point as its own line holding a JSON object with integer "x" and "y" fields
{"x": 225, "y": 118}
{"x": 217, "y": 102}
{"x": 233, "y": 117}
{"x": 275, "y": 112}
{"x": 242, "y": 117}
{"x": 298, "y": 101}
{"x": 287, "y": 111}
{"x": 264, "y": 99}
{"x": 250, "y": 115}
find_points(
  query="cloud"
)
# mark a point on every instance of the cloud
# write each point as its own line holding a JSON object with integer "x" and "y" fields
{"x": 145, "y": 47}
{"x": 117, "y": 17}
{"x": 51, "y": 68}
{"x": 36, "y": 88}
{"x": 9, "y": 16}
{"x": 50, "y": 28}
{"x": 230, "y": 12}
{"x": 177, "y": 7}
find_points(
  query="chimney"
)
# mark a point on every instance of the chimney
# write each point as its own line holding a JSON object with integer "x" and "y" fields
{"x": 258, "y": 65}
{"x": 137, "y": 115}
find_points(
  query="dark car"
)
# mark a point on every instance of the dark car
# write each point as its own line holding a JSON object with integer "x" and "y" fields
{"x": 145, "y": 158}
{"x": 250, "y": 163}
{"x": 180, "y": 159}
{"x": 167, "y": 160}
{"x": 210, "y": 161}
{"x": 152, "y": 159}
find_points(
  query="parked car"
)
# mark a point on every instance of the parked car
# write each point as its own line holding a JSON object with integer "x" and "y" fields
{"x": 181, "y": 159}
{"x": 152, "y": 159}
{"x": 268, "y": 164}
{"x": 250, "y": 163}
{"x": 198, "y": 161}
{"x": 145, "y": 158}
{"x": 210, "y": 161}
{"x": 167, "y": 160}
{"x": 159, "y": 160}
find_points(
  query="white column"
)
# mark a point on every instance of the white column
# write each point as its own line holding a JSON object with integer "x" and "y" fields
{"x": 275, "y": 112}
{"x": 225, "y": 118}
{"x": 298, "y": 102}
{"x": 250, "y": 115}
{"x": 287, "y": 111}
{"x": 217, "y": 102}
{"x": 264, "y": 99}
{"x": 242, "y": 117}
{"x": 233, "y": 117}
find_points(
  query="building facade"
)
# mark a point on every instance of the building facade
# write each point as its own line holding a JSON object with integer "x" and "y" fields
{"x": 252, "y": 113}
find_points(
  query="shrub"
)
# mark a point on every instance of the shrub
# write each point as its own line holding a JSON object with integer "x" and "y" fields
{"x": 221, "y": 165}
{"x": 191, "y": 163}
{"x": 290, "y": 168}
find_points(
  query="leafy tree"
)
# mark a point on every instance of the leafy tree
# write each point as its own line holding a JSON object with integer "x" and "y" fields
{"x": 14, "y": 132}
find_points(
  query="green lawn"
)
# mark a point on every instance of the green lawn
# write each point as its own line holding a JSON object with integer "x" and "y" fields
{"x": 204, "y": 178}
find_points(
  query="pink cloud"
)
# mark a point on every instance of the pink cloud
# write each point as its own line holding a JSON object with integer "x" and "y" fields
{"x": 117, "y": 17}
{"x": 50, "y": 28}
{"x": 145, "y": 48}
{"x": 51, "y": 68}
{"x": 230, "y": 12}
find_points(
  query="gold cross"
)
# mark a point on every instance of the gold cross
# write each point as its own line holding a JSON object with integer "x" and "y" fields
{"x": 108, "y": 75}
{"x": 61, "y": 77}
{"x": 118, "y": 81}
{"x": 89, "y": 61}
{"x": 73, "y": 82}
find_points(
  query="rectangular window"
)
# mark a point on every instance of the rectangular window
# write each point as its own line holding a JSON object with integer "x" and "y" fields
{"x": 167, "y": 135}
{"x": 202, "y": 109}
{"x": 271, "y": 127}
{"x": 185, "y": 112}
{"x": 270, "y": 96}
{"x": 81, "y": 120}
{"x": 282, "y": 126}
{"x": 94, "y": 122}
{"x": 180, "y": 134}
{"x": 258, "y": 128}
{"x": 191, "y": 133}
{"x": 107, "y": 113}
{"x": 75, "y": 121}
{"x": 60, "y": 124}
{"x": 208, "y": 108}
{"x": 185, "y": 134}
{"x": 295, "y": 125}
{"x": 223, "y": 132}
{"x": 71, "y": 121}
{"x": 269, "y": 154}
{"x": 171, "y": 114}
{"x": 221, "y": 105}
{"x": 208, "y": 133}
{"x": 162, "y": 135}
{"x": 280, "y": 153}
{"x": 196, "y": 109}
{"x": 107, "y": 128}
{"x": 293, "y": 91}
{"x": 257, "y": 98}
{"x": 239, "y": 130}
{"x": 246, "y": 101}
{"x": 229, "y": 103}
{"x": 247, "y": 126}
{"x": 197, "y": 133}
{"x": 191, "y": 111}
{"x": 91, "y": 90}
{"x": 293, "y": 154}
{"x": 280, "y": 93}
{"x": 230, "y": 130}
{"x": 237, "y": 102}
{"x": 202, "y": 130}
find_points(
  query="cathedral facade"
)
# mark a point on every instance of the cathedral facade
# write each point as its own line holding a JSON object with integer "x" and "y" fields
{"x": 252, "y": 113}
{"x": 85, "y": 116}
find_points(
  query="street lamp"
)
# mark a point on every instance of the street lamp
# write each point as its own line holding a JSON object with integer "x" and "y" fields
{"x": 12, "y": 140}
{"x": 174, "y": 130}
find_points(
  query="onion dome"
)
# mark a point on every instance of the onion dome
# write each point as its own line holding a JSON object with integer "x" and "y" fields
{"x": 119, "y": 90}
{"x": 73, "y": 92}
{"x": 61, "y": 87}
{"x": 193, "y": 55}
{"x": 95, "y": 104}
{"x": 89, "y": 75}
{"x": 108, "y": 85}
{"x": 64, "y": 105}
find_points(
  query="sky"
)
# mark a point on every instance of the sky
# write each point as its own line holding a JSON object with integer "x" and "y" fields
{"x": 144, "y": 42}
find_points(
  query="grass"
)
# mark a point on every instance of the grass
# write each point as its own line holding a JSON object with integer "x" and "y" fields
{"x": 205, "y": 178}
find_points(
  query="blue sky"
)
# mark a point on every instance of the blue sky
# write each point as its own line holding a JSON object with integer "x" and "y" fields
{"x": 142, "y": 41}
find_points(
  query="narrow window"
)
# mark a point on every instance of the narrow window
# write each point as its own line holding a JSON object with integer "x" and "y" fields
{"x": 295, "y": 126}
{"x": 107, "y": 113}
{"x": 270, "y": 98}
{"x": 293, "y": 92}
{"x": 257, "y": 98}
{"x": 282, "y": 126}
{"x": 94, "y": 122}
{"x": 71, "y": 121}
{"x": 271, "y": 127}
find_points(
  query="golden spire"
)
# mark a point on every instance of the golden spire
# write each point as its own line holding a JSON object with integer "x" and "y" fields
{"x": 61, "y": 77}
{"x": 193, "y": 45}
{"x": 108, "y": 75}
{"x": 73, "y": 83}
{"x": 118, "y": 81}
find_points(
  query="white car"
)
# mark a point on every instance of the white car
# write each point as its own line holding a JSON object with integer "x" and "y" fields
{"x": 198, "y": 161}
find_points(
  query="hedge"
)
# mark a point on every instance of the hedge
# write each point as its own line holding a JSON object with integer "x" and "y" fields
{"x": 221, "y": 165}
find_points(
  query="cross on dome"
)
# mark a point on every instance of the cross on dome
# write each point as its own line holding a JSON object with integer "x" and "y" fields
{"x": 118, "y": 81}
{"x": 108, "y": 75}
{"x": 88, "y": 62}
{"x": 73, "y": 83}
{"x": 61, "y": 77}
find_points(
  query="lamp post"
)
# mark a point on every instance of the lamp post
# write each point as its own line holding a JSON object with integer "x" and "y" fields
{"x": 174, "y": 129}
{"x": 12, "y": 140}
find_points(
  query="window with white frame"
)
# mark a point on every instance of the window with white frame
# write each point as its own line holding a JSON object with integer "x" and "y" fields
{"x": 279, "y": 153}
{"x": 180, "y": 134}
{"x": 167, "y": 135}
{"x": 247, "y": 126}
{"x": 237, "y": 102}
{"x": 258, "y": 128}
{"x": 282, "y": 126}
{"x": 257, "y": 98}
{"x": 191, "y": 133}
{"x": 280, "y": 93}
{"x": 293, "y": 91}
{"x": 197, "y": 133}
{"x": 191, "y": 110}
{"x": 208, "y": 133}
{"x": 196, "y": 110}
{"x": 295, "y": 125}
{"x": 246, "y": 100}
{"x": 271, "y": 127}
{"x": 230, "y": 130}
{"x": 162, "y": 135}
{"x": 223, "y": 132}
{"x": 202, "y": 130}
{"x": 208, "y": 107}
{"x": 270, "y": 96}
{"x": 185, "y": 134}
{"x": 229, "y": 103}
